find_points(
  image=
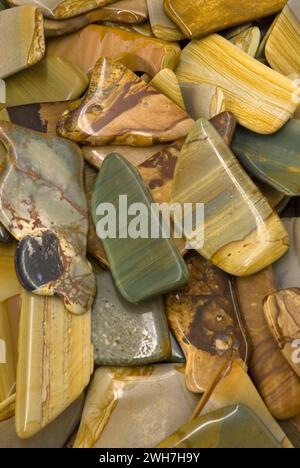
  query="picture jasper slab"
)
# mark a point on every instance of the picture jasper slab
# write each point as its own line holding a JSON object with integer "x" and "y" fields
{"x": 277, "y": 383}
{"x": 260, "y": 98}
{"x": 60, "y": 9}
{"x": 39, "y": 117}
{"x": 142, "y": 267}
{"x": 284, "y": 41}
{"x": 51, "y": 80}
{"x": 120, "y": 108}
{"x": 119, "y": 398}
{"x": 55, "y": 361}
{"x": 44, "y": 207}
{"x": 123, "y": 11}
{"x": 208, "y": 172}
{"x": 283, "y": 316}
{"x": 53, "y": 436}
{"x": 198, "y": 18}
{"x": 137, "y": 52}
{"x": 287, "y": 269}
{"x": 206, "y": 321}
{"x": 274, "y": 159}
{"x": 22, "y": 38}
{"x": 127, "y": 334}
{"x": 161, "y": 25}
{"x": 237, "y": 388}
{"x": 231, "y": 427}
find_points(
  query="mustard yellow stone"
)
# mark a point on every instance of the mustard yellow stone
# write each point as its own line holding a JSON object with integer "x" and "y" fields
{"x": 283, "y": 45}
{"x": 248, "y": 41}
{"x": 260, "y": 98}
{"x": 162, "y": 27}
{"x": 55, "y": 361}
{"x": 242, "y": 234}
{"x": 167, "y": 83}
{"x": 197, "y": 18}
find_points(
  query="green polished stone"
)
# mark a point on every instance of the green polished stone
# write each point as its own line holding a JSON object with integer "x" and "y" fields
{"x": 274, "y": 159}
{"x": 142, "y": 267}
{"x": 126, "y": 334}
{"x": 231, "y": 427}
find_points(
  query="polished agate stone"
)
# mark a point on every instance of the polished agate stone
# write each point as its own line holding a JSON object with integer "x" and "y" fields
{"x": 39, "y": 117}
{"x": 119, "y": 399}
{"x": 206, "y": 321}
{"x": 55, "y": 435}
{"x": 284, "y": 40}
{"x": 242, "y": 235}
{"x": 282, "y": 314}
{"x": 137, "y": 52}
{"x": 260, "y": 98}
{"x": 275, "y": 380}
{"x": 123, "y": 11}
{"x": 120, "y": 108}
{"x": 60, "y": 9}
{"x": 43, "y": 206}
{"x": 127, "y": 334}
{"x": 142, "y": 267}
{"x": 62, "y": 358}
{"x": 22, "y": 39}
{"x": 199, "y": 17}
{"x": 53, "y": 79}
{"x": 274, "y": 159}
{"x": 231, "y": 427}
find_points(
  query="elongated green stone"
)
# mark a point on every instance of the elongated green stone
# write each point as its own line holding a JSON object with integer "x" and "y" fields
{"x": 142, "y": 267}
{"x": 274, "y": 159}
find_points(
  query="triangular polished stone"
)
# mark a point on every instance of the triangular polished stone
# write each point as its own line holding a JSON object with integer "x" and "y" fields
{"x": 242, "y": 234}
{"x": 142, "y": 267}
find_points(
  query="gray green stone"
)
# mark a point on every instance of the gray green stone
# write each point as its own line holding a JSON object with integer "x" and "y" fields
{"x": 274, "y": 159}
{"x": 142, "y": 267}
{"x": 126, "y": 334}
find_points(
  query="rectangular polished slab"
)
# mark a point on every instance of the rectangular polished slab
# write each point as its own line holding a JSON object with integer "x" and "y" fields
{"x": 22, "y": 39}
{"x": 260, "y": 98}
{"x": 55, "y": 361}
{"x": 198, "y": 18}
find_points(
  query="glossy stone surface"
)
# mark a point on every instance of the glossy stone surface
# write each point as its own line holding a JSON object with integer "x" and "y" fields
{"x": 166, "y": 83}
{"x": 284, "y": 40}
{"x": 283, "y": 316}
{"x": 127, "y": 334}
{"x": 260, "y": 98}
{"x": 60, "y": 9}
{"x": 51, "y": 80}
{"x": 120, "y": 108}
{"x": 277, "y": 383}
{"x": 53, "y": 436}
{"x": 207, "y": 172}
{"x": 287, "y": 269}
{"x": 231, "y": 427}
{"x": 137, "y": 52}
{"x": 274, "y": 159}
{"x": 123, "y": 11}
{"x": 120, "y": 398}
{"x": 95, "y": 155}
{"x": 39, "y": 117}
{"x": 55, "y": 361}
{"x": 144, "y": 267}
{"x": 206, "y": 321}
{"x": 248, "y": 41}
{"x": 199, "y": 18}
{"x": 237, "y": 388}
{"x": 9, "y": 318}
{"x": 28, "y": 184}
{"x": 162, "y": 27}
{"x": 202, "y": 100}
{"x": 22, "y": 39}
